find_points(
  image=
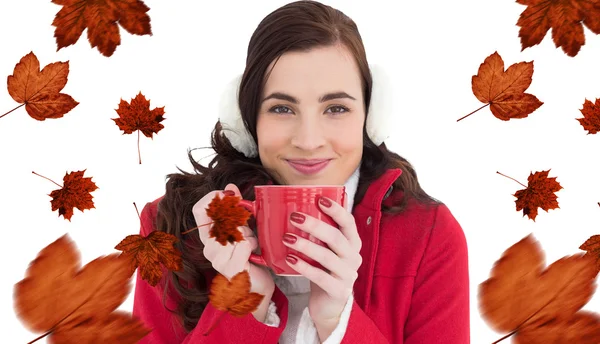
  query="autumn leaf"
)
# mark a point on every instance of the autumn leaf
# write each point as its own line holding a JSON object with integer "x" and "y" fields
{"x": 227, "y": 215}
{"x": 566, "y": 18}
{"x": 75, "y": 193}
{"x": 504, "y": 91}
{"x": 39, "y": 90}
{"x": 591, "y": 116}
{"x": 592, "y": 248}
{"x": 233, "y": 297}
{"x": 100, "y": 17}
{"x": 539, "y": 193}
{"x": 148, "y": 252}
{"x": 540, "y": 305}
{"x": 137, "y": 116}
{"x": 57, "y": 296}
{"x": 117, "y": 327}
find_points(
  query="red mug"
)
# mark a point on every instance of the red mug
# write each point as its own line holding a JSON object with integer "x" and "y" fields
{"x": 272, "y": 209}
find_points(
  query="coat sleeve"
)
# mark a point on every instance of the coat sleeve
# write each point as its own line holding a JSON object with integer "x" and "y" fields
{"x": 439, "y": 310}
{"x": 148, "y": 306}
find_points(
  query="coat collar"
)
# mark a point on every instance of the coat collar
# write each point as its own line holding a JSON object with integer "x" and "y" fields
{"x": 368, "y": 216}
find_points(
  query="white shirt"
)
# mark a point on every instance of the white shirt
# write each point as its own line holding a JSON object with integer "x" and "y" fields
{"x": 300, "y": 327}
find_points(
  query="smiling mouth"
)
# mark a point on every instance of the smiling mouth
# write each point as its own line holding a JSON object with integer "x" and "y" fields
{"x": 308, "y": 167}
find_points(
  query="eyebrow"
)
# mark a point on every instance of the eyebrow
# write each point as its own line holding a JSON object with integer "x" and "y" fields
{"x": 324, "y": 98}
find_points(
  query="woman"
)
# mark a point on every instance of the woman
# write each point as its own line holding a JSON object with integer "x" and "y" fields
{"x": 399, "y": 271}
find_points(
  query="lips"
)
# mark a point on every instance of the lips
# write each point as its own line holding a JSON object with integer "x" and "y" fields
{"x": 309, "y": 166}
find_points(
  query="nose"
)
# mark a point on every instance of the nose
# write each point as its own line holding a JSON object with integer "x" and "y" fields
{"x": 308, "y": 133}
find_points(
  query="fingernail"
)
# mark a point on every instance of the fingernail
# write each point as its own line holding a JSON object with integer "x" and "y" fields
{"x": 325, "y": 202}
{"x": 297, "y": 217}
{"x": 290, "y": 239}
{"x": 291, "y": 259}
{"x": 229, "y": 193}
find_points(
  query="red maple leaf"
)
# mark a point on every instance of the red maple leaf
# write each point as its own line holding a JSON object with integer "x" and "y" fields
{"x": 539, "y": 193}
{"x": 566, "y": 18}
{"x": 137, "y": 116}
{"x": 72, "y": 304}
{"x": 39, "y": 90}
{"x": 227, "y": 215}
{"x": 100, "y": 17}
{"x": 149, "y": 252}
{"x": 591, "y": 116}
{"x": 233, "y": 297}
{"x": 504, "y": 91}
{"x": 75, "y": 193}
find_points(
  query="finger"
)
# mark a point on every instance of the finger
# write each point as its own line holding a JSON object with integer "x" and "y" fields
{"x": 333, "y": 237}
{"x": 218, "y": 254}
{"x": 249, "y": 236}
{"x": 239, "y": 258}
{"x": 233, "y": 188}
{"x": 345, "y": 221}
{"x": 325, "y": 257}
{"x": 325, "y": 281}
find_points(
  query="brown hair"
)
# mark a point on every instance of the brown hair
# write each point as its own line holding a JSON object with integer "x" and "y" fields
{"x": 297, "y": 26}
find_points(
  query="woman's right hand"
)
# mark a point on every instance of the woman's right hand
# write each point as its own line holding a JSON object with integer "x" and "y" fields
{"x": 231, "y": 259}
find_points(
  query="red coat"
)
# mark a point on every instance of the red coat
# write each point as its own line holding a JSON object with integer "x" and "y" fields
{"x": 412, "y": 287}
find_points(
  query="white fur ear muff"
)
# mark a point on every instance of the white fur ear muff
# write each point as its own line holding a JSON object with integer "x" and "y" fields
{"x": 230, "y": 117}
{"x": 379, "y": 117}
{"x": 379, "y": 114}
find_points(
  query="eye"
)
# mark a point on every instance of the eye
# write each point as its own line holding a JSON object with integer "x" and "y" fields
{"x": 338, "y": 109}
{"x": 280, "y": 109}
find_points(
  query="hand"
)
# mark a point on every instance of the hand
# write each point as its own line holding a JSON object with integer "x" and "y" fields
{"x": 330, "y": 289}
{"x": 231, "y": 259}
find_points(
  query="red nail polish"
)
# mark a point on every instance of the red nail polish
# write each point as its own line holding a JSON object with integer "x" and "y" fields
{"x": 297, "y": 217}
{"x": 325, "y": 202}
{"x": 290, "y": 239}
{"x": 291, "y": 259}
{"x": 228, "y": 193}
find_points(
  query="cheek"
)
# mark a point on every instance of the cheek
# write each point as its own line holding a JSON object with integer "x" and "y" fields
{"x": 271, "y": 138}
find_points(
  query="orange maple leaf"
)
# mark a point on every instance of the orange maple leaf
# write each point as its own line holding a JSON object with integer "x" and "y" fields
{"x": 504, "y": 91}
{"x": 100, "y": 17}
{"x": 540, "y": 305}
{"x": 59, "y": 297}
{"x": 566, "y": 18}
{"x": 227, "y": 215}
{"x": 591, "y": 116}
{"x": 233, "y": 297}
{"x": 39, "y": 90}
{"x": 592, "y": 246}
{"x": 117, "y": 327}
{"x": 137, "y": 116}
{"x": 539, "y": 193}
{"x": 75, "y": 193}
{"x": 148, "y": 252}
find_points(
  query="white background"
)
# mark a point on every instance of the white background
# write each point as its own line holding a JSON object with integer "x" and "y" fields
{"x": 430, "y": 48}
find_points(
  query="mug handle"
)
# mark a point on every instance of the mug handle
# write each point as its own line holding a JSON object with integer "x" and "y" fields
{"x": 254, "y": 258}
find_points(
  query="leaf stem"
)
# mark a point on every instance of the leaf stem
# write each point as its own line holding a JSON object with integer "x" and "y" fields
{"x": 138, "y": 212}
{"x": 139, "y": 154}
{"x": 473, "y": 112}
{"x": 191, "y": 230}
{"x": 46, "y": 178}
{"x": 503, "y": 338}
{"x": 40, "y": 337}
{"x": 511, "y": 178}
{"x": 12, "y": 110}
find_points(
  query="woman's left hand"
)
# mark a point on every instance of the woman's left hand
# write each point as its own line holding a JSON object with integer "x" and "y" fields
{"x": 330, "y": 289}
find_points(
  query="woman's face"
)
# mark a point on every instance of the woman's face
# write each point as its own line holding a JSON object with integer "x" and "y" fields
{"x": 312, "y": 109}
